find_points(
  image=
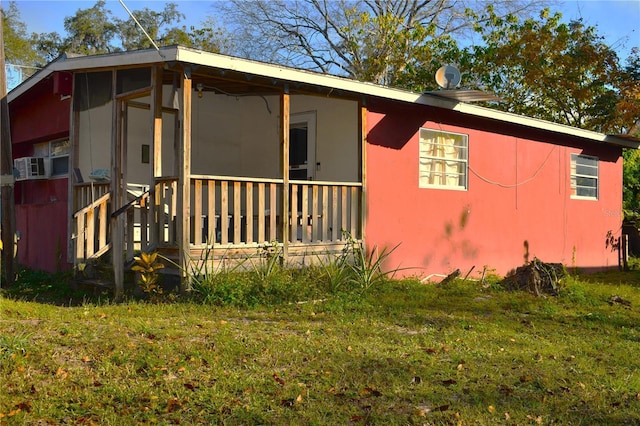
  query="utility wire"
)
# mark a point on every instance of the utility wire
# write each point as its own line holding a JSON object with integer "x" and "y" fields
{"x": 141, "y": 27}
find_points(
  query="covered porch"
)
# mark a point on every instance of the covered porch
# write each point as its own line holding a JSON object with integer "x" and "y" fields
{"x": 203, "y": 158}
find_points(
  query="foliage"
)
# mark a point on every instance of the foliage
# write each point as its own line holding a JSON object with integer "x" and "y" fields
{"x": 18, "y": 49}
{"x": 153, "y": 22}
{"x": 366, "y": 269}
{"x": 407, "y": 353}
{"x": 90, "y": 31}
{"x": 368, "y": 40}
{"x": 547, "y": 69}
{"x": 95, "y": 31}
{"x": 148, "y": 265}
{"x": 270, "y": 261}
{"x": 631, "y": 184}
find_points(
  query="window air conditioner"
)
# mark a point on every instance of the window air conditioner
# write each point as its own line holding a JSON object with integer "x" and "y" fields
{"x": 28, "y": 168}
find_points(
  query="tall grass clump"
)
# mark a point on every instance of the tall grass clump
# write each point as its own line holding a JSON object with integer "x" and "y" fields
{"x": 263, "y": 280}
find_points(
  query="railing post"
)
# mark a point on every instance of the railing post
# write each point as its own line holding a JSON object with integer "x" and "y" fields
{"x": 285, "y": 109}
{"x": 184, "y": 176}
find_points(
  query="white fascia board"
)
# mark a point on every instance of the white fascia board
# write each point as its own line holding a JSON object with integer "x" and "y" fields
{"x": 339, "y": 83}
{"x": 141, "y": 57}
{"x": 543, "y": 125}
{"x": 281, "y": 73}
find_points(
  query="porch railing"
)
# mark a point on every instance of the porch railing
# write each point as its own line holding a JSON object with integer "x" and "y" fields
{"x": 245, "y": 211}
{"x": 91, "y": 226}
{"x": 128, "y": 213}
{"x": 324, "y": 211}
{"x": 85, "y": 193}
{"x": 166, "y": 209}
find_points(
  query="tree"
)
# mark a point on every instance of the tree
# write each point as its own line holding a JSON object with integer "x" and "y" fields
{"x": 96, "y": 31}
{"x": 18, "y": 48}
{"x": 628, "y": 118}
{"x": 547, "y": 69}
{"x": 90, "y": 31}
{"x": 356, "y": 38}
{"x": 153, "y": 22}
{"x": 631, "y": 184}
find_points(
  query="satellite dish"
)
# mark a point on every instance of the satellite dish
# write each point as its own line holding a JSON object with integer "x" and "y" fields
{"x": 448, "y": 77}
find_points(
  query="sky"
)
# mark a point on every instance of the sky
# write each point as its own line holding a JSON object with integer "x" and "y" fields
{"x": 617, "y": 20}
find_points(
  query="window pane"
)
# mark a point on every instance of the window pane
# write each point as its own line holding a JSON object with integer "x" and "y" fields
{"x": 584, "y": 176}
{"x": 132, "y": 79}
{"x": 60, "y": 148}
{"x": 443, "y": 159}
{"x": 59, "y": 166}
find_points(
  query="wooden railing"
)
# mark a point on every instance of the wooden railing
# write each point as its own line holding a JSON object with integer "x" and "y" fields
{"x": 324, "y": 211}
{"x": 234, "y": 210}
{"x": 85, "y": 193}
{"x": 231, "y": 211}
{"x": 166, "y": 209}
{"x": 128, "y": 212}
{"x": 92, "y": 224}
{"x": 243, "y": 211}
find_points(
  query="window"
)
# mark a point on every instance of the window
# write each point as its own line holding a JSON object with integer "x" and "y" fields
{"x": 443, "y": 160}
{"x": 584, "y": 176}
{"x": 58, "y": 153}
{"x": 145, "y": 154}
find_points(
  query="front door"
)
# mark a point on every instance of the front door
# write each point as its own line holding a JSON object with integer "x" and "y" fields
{"x": 302, "y": 146}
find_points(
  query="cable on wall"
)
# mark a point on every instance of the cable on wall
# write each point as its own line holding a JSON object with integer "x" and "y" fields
{"x": 515, "y": 185}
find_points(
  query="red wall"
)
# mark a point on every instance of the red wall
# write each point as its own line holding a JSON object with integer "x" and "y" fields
{"x": 41, "y": 115}
{"x": 442, "y": 230}
{"x": 43, "y": 235}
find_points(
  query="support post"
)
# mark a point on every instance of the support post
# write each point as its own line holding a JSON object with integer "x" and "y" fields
{"x": 184, "y": 179}
{"x": 74, "y": 154}
{"x": 362, "y": 143}
{"x": 156, "y": 151}
{"x": 285, "y": 110}
{"x": 6, "y": 174}
{"x": 117, "y": 224}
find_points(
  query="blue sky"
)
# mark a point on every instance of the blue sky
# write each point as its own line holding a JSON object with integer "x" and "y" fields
{"x": 617, "y": 20}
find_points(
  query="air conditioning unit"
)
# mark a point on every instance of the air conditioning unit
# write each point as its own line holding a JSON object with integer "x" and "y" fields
{"x": 29, "y": 168}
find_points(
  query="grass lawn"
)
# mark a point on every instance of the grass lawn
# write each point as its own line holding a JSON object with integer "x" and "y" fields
{"x": 404, "y": 353}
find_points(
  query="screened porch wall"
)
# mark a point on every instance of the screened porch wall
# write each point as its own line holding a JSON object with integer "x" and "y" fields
{"x": 240, "y": 136}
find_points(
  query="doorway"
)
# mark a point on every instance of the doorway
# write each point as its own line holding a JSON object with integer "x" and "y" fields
{"x": 302, "y": 146}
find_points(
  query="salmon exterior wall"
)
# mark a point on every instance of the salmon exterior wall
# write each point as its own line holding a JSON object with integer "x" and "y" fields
{"x": 41, "y": 205}
{"x": 490, "y": 225}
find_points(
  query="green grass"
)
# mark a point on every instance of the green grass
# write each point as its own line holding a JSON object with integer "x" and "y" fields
{"x": 401, "y": 353}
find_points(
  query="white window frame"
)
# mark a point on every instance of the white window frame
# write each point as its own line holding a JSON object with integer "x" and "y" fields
{"x": 425, "y": 159}
{"x": 574, "y": 175}
{"x": 46, "y": 149}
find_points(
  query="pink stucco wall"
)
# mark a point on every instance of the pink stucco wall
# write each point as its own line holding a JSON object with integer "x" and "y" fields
{"x": 493, "y": 223}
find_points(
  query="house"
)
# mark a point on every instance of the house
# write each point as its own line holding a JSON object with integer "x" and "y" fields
{"x": 180, "y": 150}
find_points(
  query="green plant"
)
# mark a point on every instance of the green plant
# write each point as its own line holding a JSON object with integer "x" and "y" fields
{"x": 147, "y": 265}
{"x": 366, "y": 269}
{"x": 270, "y": 260}
{"x": 334, "y": 271}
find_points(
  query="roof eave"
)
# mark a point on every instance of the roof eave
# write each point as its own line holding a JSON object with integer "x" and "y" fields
{"x": 282, "y": 73}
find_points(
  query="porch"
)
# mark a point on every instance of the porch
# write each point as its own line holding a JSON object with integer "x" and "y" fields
{"x": 232, "y": 217}
{"x": 293, "y": 179}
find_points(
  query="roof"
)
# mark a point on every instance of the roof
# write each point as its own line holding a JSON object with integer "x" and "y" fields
{"x": 172, "y": 54}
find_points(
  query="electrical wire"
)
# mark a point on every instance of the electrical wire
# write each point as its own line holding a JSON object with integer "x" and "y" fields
{"x": 515, "y": 185}
{"x": 142, "y": 28}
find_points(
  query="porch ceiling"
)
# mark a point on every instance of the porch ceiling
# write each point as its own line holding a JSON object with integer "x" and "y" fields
{"x": 243, "y": 84}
